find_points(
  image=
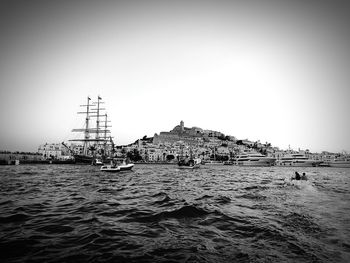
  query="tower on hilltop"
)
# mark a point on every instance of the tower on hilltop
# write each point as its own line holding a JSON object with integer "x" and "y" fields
{"x": 182, "y": 126}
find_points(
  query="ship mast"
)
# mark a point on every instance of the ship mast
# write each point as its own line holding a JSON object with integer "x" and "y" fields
{"x": 87, "y": 130}
{"x": 98, "y": 115}
{"x": 106, "y": 127}
{"x": 98, "y": 118}
{"x": 106, "y": 121}
{"x": 87, "y": 134}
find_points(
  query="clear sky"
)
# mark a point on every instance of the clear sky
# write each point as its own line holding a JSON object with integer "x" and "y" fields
{"x": 275, "y": 71}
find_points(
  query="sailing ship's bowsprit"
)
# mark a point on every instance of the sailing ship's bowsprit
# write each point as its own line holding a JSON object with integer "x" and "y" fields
{"x": 96, "y": 146}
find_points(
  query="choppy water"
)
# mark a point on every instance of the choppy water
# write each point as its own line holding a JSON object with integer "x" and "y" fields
{"x": 52, "y": 213}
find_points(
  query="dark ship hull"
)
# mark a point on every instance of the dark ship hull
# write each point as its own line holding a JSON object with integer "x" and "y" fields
{"x": 80, "y": 158}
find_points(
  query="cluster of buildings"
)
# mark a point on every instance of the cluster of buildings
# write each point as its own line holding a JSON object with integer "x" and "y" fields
{"x": 167, "y": 146}
{"x": 208, "y": 145}
{"x": 181, "y": 140}
{"x": 7, "y": 157}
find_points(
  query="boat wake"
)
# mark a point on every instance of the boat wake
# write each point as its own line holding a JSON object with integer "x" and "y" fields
{"x": 300, "y": 184}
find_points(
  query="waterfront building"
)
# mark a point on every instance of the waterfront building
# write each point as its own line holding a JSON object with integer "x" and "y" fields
{"x": 53, "y": 151}
{"x": 7, "y": 157}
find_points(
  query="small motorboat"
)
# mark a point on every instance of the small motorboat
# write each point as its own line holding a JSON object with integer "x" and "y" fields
{"x": 189, "y": 164}
{"x": 126, "y": 167}
{"x": 110, "y": 168}
{"x": 117, "y": 168}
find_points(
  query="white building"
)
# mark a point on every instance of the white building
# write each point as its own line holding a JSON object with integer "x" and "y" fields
{"x": 52, "y": 150}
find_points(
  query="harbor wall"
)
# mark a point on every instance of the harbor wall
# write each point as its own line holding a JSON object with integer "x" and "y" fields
{"x": 11, "y": 158}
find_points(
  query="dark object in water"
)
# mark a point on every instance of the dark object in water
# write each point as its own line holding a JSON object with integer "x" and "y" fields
{"x": 303, "y": 177}
{"x": 299, "y": 177}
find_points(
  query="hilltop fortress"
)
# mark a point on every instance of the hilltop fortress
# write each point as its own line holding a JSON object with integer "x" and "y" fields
{"x": 191, "y": 136}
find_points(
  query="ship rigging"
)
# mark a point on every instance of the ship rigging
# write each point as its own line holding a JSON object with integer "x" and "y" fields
{"x": 99, "y": 146}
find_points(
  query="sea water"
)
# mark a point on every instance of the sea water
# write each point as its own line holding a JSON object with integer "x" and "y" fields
{"x": 158, "y": 213}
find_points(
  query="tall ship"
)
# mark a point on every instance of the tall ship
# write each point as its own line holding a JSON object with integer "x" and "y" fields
{"x": 297, "y": 159}
{"x": 96, "y": 144}
{"x": 254, "y": 159}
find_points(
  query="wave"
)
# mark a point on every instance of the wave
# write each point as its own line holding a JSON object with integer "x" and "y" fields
{"x": 27, "y": 173}
{"x": 164, "y": 200}
{"x": 300, "y": 222}
{"x": 16, "y": 218}
{"x": 187, "y": 211}
{"x": 7, "y": 202}
{"x": 252, "y": 196}
{"x": 55, "y": 228}
{"x": 119, "y": 213}
{"x": 222, "y": 199}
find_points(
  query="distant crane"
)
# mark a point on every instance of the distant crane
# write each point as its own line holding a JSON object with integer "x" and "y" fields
{"x": 69, "y": 149}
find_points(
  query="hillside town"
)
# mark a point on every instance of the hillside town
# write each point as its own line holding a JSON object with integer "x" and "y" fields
{"x": 166, "y": 147}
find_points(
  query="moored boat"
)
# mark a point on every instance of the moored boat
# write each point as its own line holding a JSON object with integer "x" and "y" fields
{"x": 115, "y": 166}
{"x": 340, "y": 162}
{"x": 213, "y": 163}
{"x": 298, "y": 159}
{"x": 254, "y": 159}
{"x": 189, "y": 163}
{"x": 126, "y": 167}
{"x": 118, "y": 168}
{"x": 110, "y": 168}
{"x": 83, "y": 158}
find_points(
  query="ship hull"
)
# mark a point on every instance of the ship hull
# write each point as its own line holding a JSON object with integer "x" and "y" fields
{"x": 262, "y": 162}
{"x": 256, "y": 163}
{"x": 126, "y": 167}
{"x": 79, "y": 158}
{"x": 114, "y": 169}
{"x": 213, "y": 163}
{"x": 70, "y": 161}
{"x": 300, "y": 164}
{"x": 340, "y": 164}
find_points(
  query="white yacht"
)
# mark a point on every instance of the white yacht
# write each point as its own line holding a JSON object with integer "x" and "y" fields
{"x": 297, "y": 159}
{"x": 213, "y": 163}
{"x": 340, "y": 162}
{"x": 254, "y": 159}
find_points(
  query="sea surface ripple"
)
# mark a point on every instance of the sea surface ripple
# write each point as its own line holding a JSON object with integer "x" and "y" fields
{"x": 158, "y": 213}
